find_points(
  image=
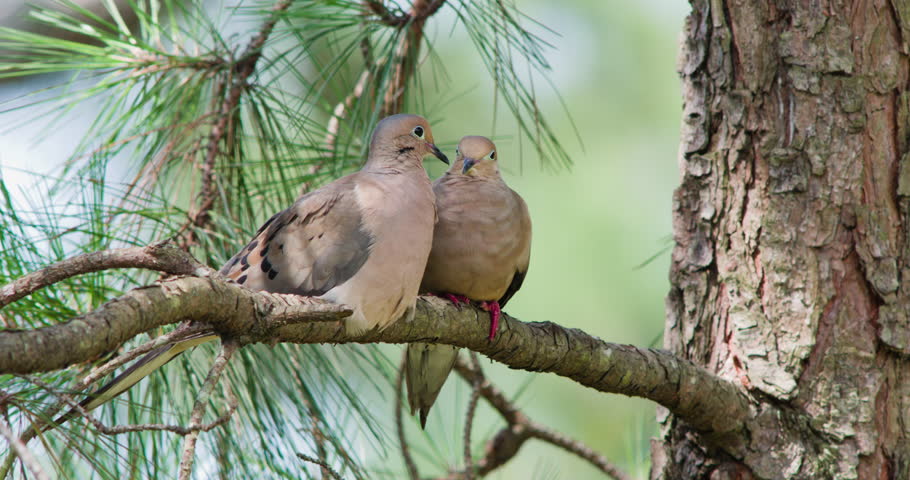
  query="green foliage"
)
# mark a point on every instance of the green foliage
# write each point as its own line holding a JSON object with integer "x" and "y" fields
{"x": 174, "y": 102}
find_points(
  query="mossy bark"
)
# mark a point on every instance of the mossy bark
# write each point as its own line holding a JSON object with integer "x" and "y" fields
{"x": 791, "y": 272}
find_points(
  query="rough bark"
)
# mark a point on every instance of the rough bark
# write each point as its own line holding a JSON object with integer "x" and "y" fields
{"x": 707, "y": 402}
{"x": 154, "y": 257}
{"x": 791, "y": 229}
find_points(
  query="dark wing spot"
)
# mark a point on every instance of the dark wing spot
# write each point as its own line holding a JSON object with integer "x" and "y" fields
{"x": 252, "y": 245}
{"x": 274, "y": 232}
{"x": 264, "y": 252}
{"x": 244, "y": 260}
{"x": 267, "y": 223}
{"x": 265, "y": 266}
{"x": 231, "y": 264}
{"x": 320, "y": 235}
{"x": 241, "y": 279}
{"x": 273, "y": 274}
{"x": 243, "y": 268}
{"x": 293, "y": 218}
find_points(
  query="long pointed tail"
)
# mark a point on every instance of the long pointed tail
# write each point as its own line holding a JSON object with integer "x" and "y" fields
{"x": 136, "y": 372}
{"x": 426, "y": 370}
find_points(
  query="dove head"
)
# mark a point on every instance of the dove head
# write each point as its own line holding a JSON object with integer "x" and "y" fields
{"x": 400, "y": 137}
{"x": 476, "y": 157}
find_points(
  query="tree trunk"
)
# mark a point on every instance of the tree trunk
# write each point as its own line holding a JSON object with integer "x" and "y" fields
{"x": 791, "y": 228}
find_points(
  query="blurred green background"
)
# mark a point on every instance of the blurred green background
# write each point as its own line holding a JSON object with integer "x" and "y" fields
{"x": 614, "y": 65}
{"x": 594, "y": 224}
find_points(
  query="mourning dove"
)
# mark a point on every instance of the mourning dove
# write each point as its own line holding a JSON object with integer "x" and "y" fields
{"x": 361, "y": 241}
{"x": 481, "y": 249}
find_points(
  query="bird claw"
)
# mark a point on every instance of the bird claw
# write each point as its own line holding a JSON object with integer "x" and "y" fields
{"x": 456, "y": 300}
{"x": 495, "y": 313}
{"x": 492, "y": 307}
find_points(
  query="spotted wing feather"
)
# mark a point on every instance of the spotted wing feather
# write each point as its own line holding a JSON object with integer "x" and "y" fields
{"x": 313, "y": 246}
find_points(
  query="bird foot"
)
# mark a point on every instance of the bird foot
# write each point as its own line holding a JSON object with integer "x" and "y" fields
{"x": 456, "y": 300}
{"x": 495, "y": 313}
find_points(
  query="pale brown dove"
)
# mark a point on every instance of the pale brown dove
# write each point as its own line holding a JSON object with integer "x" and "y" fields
{"x": 362, "y": 241}
{"x": 481, "y": 249}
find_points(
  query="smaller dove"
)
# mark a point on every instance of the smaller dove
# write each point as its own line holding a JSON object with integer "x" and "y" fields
{"x": 481, "y": 249}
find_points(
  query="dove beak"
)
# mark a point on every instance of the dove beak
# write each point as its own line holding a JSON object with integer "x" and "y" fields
{"x": 468, "y": 163}
{"x": 438, "y": 153}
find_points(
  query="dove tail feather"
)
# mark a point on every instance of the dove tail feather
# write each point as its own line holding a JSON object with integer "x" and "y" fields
{"x": 427, "y": 367}
{"x": 136, "y": 372}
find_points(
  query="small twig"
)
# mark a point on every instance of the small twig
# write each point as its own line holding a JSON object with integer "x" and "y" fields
{"x": 153, "y": 427}
{"x": 159, "y": 427}
{"x": 244, "y": 69}
{"x": 469, "y": 419}
{"x": 185, "y": 126}
{"x": 325, "y": 466}
{"x": 189, "y": 441}
{"x": 155, "y": 257}
{"x": 546, "y": 434}
{"x": 413, "y": 474}
{"x": 407, "y": 52}
{"x": 505, "y": 444}
{"x": 93, "y": 376}
{"x": 366, "y": 50}
{"x": 18, "y": 447}
{"x": 67, "y": 400}
{"x": 490, "y": 393}
{"x": 34, "y": 428}
{"x": 341, "y": 111}
{"x": 334, "y": 125}
{"x": 385, "y": 15}
{"x": 431, "y": 8}
{"x": 309, "y": 403}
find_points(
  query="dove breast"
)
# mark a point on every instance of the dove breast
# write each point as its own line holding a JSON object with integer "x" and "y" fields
{"x": 481, "y": 241}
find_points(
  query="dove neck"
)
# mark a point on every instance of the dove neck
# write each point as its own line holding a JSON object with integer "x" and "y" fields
{"x": 481, "y": 172}
{"x": 392, "y": 161}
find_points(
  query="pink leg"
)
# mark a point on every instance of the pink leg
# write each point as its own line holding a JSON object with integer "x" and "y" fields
{"x": 495, "y": 313}
{"x": 456, "y": 300}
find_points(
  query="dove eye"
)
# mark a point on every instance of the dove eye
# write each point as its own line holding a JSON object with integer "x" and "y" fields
{"x": 493, "y": 155}
{"x": 418, "y": 131}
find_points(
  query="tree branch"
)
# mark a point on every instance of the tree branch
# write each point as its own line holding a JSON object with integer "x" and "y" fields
{"x": 409, "y": 464}
{"x": 18, "y": 446}
{"x": 229, "y": 307}
{"x": 202, "y": 399}
{"x": 316, "y": 420}
{"x": 243, "y": 69}
{"x": 154, "y": 257}
{"x": 505, "y": 444}
{"x": 67, "y": 399}
{"x": 407, "y": 52}
{"x": 385, "y": 15}
{"x": 707, "y": 402}
{"x": 327, "y": 471}
{"x": 469, "y": 417}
